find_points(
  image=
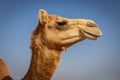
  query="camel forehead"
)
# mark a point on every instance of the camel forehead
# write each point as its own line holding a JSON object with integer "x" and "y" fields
{"x": 54, "y": 18}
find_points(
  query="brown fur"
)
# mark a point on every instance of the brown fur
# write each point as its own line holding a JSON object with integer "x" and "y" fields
{"x": 53, "y": 35}
{"x": 4, "y": 71}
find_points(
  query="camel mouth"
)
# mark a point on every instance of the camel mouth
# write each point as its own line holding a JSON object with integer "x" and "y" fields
{"x": 91, "y": 36}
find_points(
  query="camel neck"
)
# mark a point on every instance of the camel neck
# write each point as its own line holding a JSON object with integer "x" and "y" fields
{"x": 43, "y": 63}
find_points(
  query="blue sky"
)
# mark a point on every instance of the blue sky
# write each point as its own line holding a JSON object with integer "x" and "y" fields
{"x": 87, "y": 60}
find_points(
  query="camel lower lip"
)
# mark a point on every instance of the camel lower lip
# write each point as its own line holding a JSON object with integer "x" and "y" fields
{"x": 91, "y": 34}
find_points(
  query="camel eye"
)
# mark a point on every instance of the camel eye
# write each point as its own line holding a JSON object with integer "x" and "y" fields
{"x": 61, "y": 23}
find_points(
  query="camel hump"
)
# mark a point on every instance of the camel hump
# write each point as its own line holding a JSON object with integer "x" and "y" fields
{"x": 4, "y": 71}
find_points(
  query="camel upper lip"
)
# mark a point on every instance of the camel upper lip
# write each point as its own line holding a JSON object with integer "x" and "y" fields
{"x": 91, "y": 34}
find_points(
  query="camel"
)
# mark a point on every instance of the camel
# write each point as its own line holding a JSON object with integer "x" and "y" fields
{"x": 4, "y": 71}
{"x": 53, "y": 35}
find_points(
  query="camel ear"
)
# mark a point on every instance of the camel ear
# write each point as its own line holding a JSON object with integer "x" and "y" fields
{"x": 43, "y": 16}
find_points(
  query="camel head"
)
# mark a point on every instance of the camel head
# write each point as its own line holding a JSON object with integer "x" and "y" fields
{"x": 59, "y": 33}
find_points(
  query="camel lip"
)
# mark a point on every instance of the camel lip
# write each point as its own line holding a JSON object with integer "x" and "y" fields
{"x": 94, "y": 35}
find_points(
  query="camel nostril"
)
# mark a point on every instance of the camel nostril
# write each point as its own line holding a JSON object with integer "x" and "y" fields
{"x": 90, "y": 24}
